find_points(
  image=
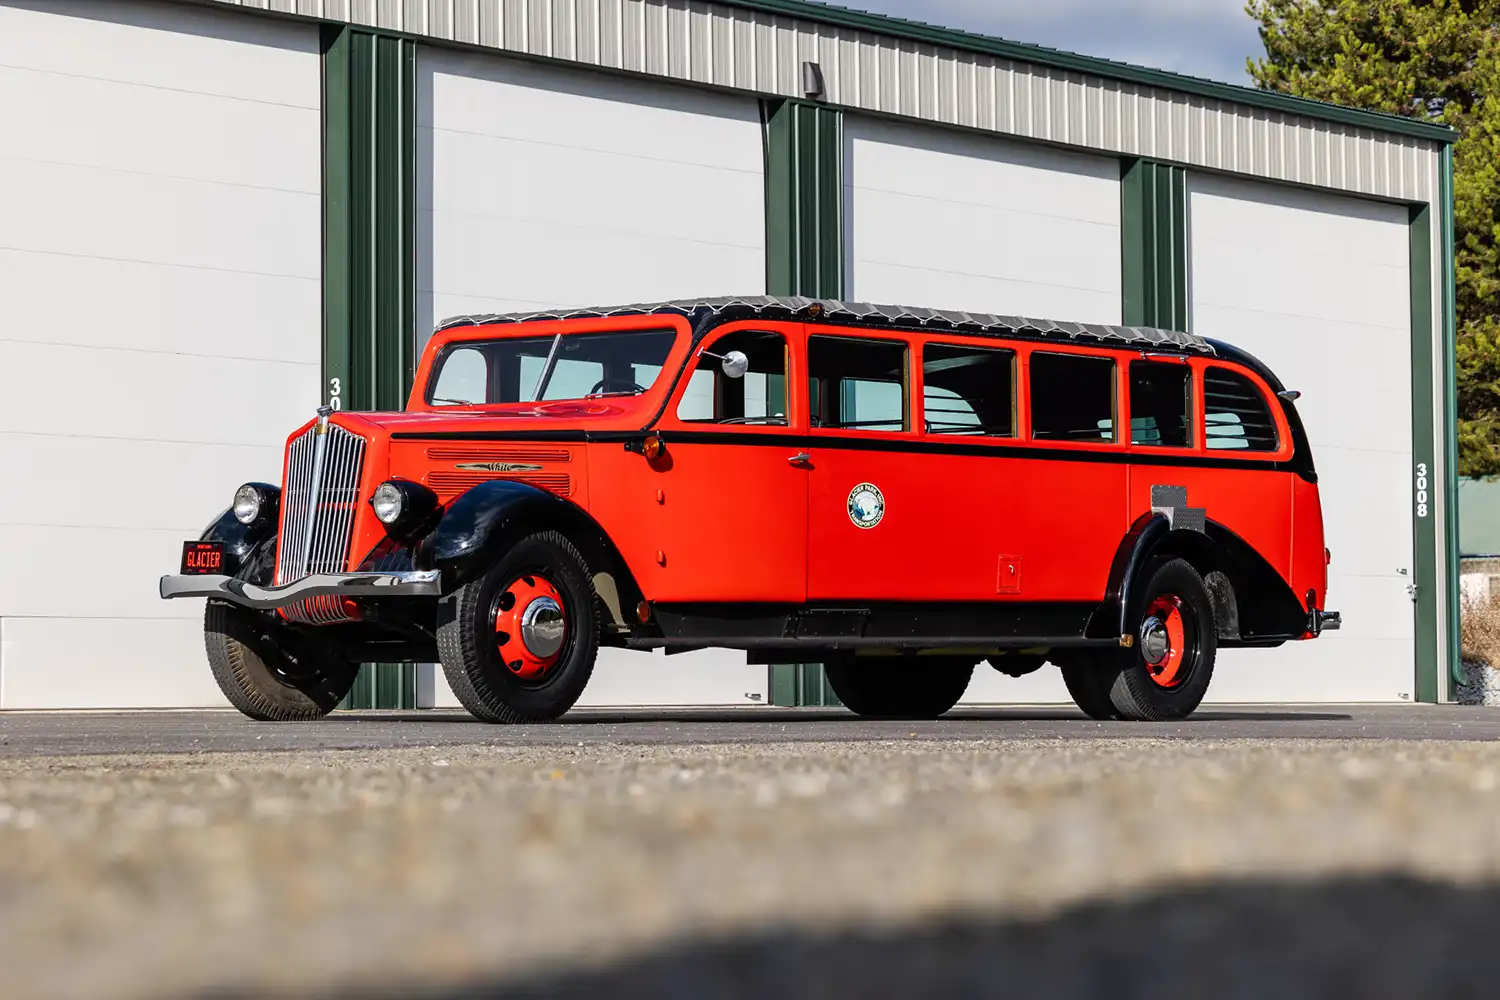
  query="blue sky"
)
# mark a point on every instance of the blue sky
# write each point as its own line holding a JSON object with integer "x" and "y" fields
{"x": 1209, "y": 38}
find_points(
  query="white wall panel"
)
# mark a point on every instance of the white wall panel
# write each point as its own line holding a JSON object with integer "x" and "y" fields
{"x": 1318, "y": 287}
{"x": 539, "y": 187}
{"x": 956, "y": 221}
{"x": 160, "y": 320}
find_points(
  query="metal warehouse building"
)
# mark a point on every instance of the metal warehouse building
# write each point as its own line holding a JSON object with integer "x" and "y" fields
{"x": 217, "y": 215}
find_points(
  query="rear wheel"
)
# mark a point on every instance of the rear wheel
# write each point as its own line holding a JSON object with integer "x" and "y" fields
{"x": 900, "y": 688}
{"x": 265, "y": 671}
{"x": 1168, "y": 672}
{"x": 518, "y": 644}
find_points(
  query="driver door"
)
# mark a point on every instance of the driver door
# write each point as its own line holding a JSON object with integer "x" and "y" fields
{"x": 732, "y": 498}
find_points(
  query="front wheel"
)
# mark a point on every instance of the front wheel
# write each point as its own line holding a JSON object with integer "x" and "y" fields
{"x": 265, "y": 672}
{"x": 518, "y": 644}
{"x": 916, "y": 687}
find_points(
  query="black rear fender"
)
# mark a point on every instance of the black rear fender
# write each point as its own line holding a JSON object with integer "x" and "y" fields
{"x": 1252, "y": 602}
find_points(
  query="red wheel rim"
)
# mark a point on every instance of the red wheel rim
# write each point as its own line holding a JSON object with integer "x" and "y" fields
{"x": 1164, "y": 641}
{"x": 530, "y": 626}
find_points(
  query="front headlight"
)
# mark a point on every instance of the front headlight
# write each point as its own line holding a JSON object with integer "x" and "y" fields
{"x": 247, "y": 503}
{"x": 389, "y": 503}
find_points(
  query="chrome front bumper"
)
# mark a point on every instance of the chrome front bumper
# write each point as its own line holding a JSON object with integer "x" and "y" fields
{"x": 419, "y": 583}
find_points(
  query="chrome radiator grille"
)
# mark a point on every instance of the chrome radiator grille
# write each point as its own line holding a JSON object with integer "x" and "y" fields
{"x": 318, "y": 501}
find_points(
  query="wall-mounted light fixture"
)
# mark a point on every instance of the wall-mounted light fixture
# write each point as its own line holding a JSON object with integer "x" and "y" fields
{"x": 812, "y": 81}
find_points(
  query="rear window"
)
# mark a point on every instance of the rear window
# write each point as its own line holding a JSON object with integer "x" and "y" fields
{"x": 1236, "y": 415}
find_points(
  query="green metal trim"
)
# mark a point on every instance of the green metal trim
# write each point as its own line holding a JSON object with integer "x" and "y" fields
{"x": 1450, "y": 416}
{"x": 1424, "y": 455}
{"x": 369, "y": 256}
{"x": 804, "y": 145}
{"x": 1153, "y": 228}
{"x": 1036, "y": 55}
{"x": 801, "y": 685}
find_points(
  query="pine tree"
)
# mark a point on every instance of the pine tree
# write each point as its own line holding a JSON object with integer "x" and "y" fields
{"x": 1439, "y": 61}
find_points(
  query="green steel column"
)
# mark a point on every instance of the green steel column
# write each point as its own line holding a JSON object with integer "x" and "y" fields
{"x": 1424, "y": 441}
{"x": 1449, "y": 487}
{"x": 804, "y": 145}
{"x": 369, "y": 274}
{"x": 1153, "y": 223}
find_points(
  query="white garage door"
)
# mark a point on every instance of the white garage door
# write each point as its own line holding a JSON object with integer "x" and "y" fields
{"x": 1318, "y": 287}
{"x": 540, "y": 187}
{"x": 159, "y": 323}
{"x": 954, "y": 221}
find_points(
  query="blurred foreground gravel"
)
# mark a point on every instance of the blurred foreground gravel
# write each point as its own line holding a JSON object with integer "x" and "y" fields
{"x": 1122, "y": 868}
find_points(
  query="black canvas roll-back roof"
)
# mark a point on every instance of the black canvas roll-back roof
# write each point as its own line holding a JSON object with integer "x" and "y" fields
{"x": 705, "y": 314}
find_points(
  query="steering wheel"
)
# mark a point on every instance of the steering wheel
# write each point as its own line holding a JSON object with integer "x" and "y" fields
{"x": 635, "y": 386}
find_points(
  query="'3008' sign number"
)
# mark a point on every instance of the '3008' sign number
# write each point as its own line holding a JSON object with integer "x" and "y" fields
{"x": 1421, "y": 489}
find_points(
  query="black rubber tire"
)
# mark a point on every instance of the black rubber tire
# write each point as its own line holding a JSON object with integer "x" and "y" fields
{"x": 1089, "y": 678}
{"x": 900, "y": 688}
{"x": 466, "y": 636}
{"x": 1133, "y": 693}
{"x": 258, "y": 666}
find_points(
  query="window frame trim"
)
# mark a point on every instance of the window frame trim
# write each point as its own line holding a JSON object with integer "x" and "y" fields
{"x": 910, "y": 383}
{"x": 919, "y": 398}
{"x": 1284, "y": 444}
{"x": 792, "y": 335}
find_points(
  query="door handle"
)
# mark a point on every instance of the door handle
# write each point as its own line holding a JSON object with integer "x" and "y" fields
{"x": 803, "y": 459}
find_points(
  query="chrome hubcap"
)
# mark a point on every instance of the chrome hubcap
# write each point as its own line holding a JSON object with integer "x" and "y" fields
{"x": 542, "y": 627}
{"x": 1155, "y": 644}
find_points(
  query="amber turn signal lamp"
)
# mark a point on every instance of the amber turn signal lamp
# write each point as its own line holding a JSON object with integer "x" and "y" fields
{"x": 815, "y": 310}
{"x": 643, "y": 612}
{"x": 652, "y": 447}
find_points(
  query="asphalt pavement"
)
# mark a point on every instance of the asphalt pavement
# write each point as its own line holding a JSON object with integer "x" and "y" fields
{"x": 755, "y": 854}
{"x": 66, "y": 733}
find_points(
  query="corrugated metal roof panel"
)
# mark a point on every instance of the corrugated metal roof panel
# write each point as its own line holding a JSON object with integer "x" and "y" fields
{"x": 889, "y": 66}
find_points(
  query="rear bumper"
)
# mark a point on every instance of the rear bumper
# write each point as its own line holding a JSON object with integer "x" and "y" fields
{"x": 1319, "y": 622}
{"x": 420, "y": 583}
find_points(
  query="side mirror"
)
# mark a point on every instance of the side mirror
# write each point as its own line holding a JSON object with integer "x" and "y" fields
{"x": 734, "y": 364}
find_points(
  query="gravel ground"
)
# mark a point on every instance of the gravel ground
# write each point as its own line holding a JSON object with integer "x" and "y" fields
{"x": 1119, "y": 868}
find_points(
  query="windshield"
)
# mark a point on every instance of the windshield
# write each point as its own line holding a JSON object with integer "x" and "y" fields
{"x": 539, "y": 369}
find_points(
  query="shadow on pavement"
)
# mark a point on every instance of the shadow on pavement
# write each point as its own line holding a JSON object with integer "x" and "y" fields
{"x": 1376, "y": 938}
{"x": 766, "y": 716}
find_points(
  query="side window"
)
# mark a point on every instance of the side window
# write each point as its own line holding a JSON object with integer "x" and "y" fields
{"x": 857, "y": 384}
{"x": 1236, "y": 416}
{"x": 968, "y": 390}
{"x": 464, "y": 378}
{"x": 759, "y": 397}
{"x": 1161, "y": 404}
{"x": 1072, "y": 397}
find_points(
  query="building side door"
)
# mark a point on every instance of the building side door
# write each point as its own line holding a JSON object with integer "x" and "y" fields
{"x": 731, "y": 501}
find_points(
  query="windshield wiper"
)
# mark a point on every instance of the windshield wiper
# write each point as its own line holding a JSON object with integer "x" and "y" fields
{"x": 454, "y": 402}
{"x": 546, "y": 376}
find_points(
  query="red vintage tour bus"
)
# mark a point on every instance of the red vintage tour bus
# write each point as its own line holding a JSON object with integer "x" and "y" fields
{"x": 897, "y": 493}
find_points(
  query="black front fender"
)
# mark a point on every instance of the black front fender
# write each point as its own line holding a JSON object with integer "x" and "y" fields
{"x": 249, "y": 550}
{"x": 476, "y": 528}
